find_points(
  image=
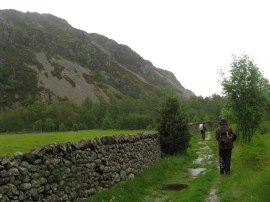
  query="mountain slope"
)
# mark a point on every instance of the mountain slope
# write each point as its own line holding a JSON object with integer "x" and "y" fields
{"x": 42, "y": 55}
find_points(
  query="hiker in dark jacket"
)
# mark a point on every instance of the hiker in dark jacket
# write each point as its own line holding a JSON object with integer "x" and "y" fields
{"x": 225, "y": 136}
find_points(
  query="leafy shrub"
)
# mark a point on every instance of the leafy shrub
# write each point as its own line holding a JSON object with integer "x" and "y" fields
{"x": 75, "y": 127}
{"x": 62, "y": 127}
{"x": 172, "y": 126}
{"x": 49, "y": 125}
{"x": 38, "y": 125}
{"x": 264, "y": 127}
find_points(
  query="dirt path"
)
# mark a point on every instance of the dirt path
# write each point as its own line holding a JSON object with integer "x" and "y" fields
{"x": 205, "y": 156}
{"x": 212, "y": 197}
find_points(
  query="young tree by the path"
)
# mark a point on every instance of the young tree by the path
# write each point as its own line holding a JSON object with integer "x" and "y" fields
{"x": 246, "y": 90}
{"x": 172, "y": 126}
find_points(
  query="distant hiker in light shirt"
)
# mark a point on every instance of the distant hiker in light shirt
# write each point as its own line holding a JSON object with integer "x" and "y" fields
{"x": 202, "y": 128}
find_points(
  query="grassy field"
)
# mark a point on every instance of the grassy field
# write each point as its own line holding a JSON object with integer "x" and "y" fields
{"x": 249, "y": 180}
{"x": 9, "y": 144}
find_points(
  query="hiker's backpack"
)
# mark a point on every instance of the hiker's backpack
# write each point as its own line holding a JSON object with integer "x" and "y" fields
{"x": 225, "y": 135}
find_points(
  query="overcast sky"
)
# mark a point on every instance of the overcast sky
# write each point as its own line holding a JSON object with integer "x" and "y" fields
{"x": 192, "y": 38}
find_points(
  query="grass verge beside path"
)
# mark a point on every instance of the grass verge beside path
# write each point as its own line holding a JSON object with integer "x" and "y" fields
{"x": 250, "y": 176}
{"x": 9, "y": 144}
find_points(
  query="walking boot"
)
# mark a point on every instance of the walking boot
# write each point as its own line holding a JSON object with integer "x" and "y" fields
{"x": 221, "y": 171}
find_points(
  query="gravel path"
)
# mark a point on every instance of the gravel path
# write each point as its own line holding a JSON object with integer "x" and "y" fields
{"x": 212, "y": 197}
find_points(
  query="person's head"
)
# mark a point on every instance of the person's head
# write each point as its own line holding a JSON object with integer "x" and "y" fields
{"x": 223, "y": 122}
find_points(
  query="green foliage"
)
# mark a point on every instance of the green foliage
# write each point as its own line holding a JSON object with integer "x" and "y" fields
{"x": 254, "y": 152}
{"x": 14, "y": 120}
{"x": 124, "y": 113}
{"x": 121, "y": 112}
{"x": 62, "y": 127}
{"x": 172, "y": 127}
{"x": 49, "y": 125}
{"x": 17, "y": 81}
{"x": 107, "y": 123}
{"x": 75, "y": 127}
{"x": 204, "y": 109}
{"x": 245, "y": 90}
{"x": 38, "y": 125}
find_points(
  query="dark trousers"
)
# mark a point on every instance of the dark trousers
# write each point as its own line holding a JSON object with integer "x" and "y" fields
{"x": 203, "y": 134}
{"x": 225, "y": 159}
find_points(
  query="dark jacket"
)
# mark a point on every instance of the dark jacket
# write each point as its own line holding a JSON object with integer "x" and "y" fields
{"x": 225, "y": 136}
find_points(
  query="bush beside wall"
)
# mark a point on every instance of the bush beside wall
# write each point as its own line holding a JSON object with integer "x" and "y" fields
{"x": 68, "y": 171}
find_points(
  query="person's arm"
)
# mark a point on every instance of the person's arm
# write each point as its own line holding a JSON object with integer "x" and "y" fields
{"x": 217, "y": 136}
{"x": 234, "y": 137}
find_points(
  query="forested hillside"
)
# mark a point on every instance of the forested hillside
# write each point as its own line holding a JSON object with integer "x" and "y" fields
{"x": 43, "y": 56}
{"x": 54, "y": 77}
{"x": 119, "y": 113}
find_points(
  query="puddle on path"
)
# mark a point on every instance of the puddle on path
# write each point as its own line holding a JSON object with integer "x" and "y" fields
{"x": 202, "y": 149}
{"x": 196, "y": 171}
{"x": 208, "y": 136}
{"x": 174, "y": 187}
{"x": 206, "y": 148}
{"x": 204, "y": 155}
{"x": 203, "y": 159}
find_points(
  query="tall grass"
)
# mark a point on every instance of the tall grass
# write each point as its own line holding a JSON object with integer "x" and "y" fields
{"x": 250, "y": 179}
{"x": 9, "y": 144}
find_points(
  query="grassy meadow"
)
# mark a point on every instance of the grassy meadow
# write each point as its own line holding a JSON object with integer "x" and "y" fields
{"x": 25, "y": 142}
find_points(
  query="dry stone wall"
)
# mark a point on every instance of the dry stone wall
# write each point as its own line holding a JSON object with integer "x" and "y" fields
{"x": 69, "y": 171}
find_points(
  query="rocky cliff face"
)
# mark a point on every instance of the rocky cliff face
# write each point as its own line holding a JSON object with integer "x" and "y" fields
{"x": 42, "y": 55}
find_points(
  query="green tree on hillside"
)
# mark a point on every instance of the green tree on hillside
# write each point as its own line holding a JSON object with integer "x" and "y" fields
{"x": 246, "y": 92}
{"x": 172, "y": 126}
{"x": 204, "y": 109}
